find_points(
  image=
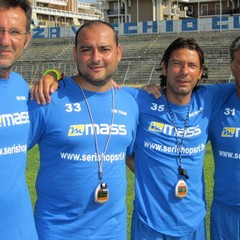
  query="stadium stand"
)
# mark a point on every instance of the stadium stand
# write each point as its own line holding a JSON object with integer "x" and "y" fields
{"x": 141, "y": 56}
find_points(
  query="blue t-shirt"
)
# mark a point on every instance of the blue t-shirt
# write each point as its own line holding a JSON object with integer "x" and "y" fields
{"x": 157, "y": 159}
{"x": 16, "y": 214}
{"x": 225, "y": 136}
{"x": 68, "y": 174}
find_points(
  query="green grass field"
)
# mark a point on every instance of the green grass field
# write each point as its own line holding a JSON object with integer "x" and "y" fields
{"x": 33, "y": 164}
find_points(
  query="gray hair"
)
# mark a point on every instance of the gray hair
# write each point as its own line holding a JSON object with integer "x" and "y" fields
{"x": 25, "y": 5}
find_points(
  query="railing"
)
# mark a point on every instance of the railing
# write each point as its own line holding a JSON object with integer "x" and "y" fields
{"x": 224, "y": 12}
{"x": 129, "y": 72}
{"x": 115, "y": 12}
{"x": 57, "y": 2}
{"x": 62, "y": 13}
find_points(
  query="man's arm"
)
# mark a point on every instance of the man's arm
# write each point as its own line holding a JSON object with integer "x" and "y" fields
{"x": 47, "y": 85}
{"x": 130, "y": 162}
{"x": 152, "y": 88}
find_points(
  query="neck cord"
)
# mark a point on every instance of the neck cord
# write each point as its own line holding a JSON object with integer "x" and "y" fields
{"x": 100, "y": 157}
{"x": 179, "y": 145}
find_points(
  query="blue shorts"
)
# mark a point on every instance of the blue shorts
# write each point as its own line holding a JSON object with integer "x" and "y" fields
{"x": 140, "y": 231}
{"x": 224, "y": 222}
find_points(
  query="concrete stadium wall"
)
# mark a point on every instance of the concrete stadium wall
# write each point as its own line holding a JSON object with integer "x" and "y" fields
{"x": 216, "y": 23}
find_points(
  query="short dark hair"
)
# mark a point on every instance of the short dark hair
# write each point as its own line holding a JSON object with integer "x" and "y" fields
{"x": 24, "y": 5}
{"x": 179, "y": 43}
{"x": 93, "y": 22}
{"x": 234, "y": 47}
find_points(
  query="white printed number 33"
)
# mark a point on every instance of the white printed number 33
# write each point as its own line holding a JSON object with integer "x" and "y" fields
{"x": 73, "y": 107}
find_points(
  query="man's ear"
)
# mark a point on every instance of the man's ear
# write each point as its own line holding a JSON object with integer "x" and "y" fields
{"x": 164, "y": 69}
{"x": 27, "y": 40}
{"x": 74, "y": 53}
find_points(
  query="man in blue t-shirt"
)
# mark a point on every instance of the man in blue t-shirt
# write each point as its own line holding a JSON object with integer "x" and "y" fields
{"x": 16, "y": 216}
{"x": 84, "y": 136}
{"x": 170, "y": 145}
{"x": 224, "y": 137}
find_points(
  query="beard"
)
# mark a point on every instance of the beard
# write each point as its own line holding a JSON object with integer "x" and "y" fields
{"x": 6, "y": 68}
{"x": 6, "y": 64}
{"x": 95, "y": 82}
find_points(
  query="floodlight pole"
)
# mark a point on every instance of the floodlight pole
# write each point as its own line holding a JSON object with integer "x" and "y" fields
{"x": 118, "y": 12}
{"x": 137, "y": 11}
{"x": 220, "y": 13}
{"x": 198, "y": 15}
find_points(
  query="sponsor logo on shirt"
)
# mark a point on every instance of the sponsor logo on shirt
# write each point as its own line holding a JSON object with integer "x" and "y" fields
{"x": 11, "y": 119}
{"x": 230, "y": 132}
{"x": 21, "y": 98}
{"x": 169, "y": 129}
{"x": 156, "y": 127}
{"x": 120, "y": 112}
{"x": 196, "y": 112}
{"x": 225, "y": 154}
{"x": 14, "y": 149}
{"x": 100, "y": 129}
{"x": 92, "y": 157}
